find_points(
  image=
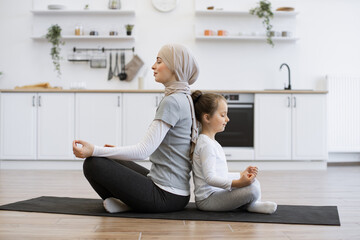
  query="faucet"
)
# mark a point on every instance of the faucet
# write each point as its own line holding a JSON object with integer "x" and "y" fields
{"x": 289, "y": 83}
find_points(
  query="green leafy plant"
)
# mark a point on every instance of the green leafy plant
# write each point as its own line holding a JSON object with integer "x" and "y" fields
{"x": 54, "y": 37}
{"x": 263, "y": 11}
{"x": 129, "y": 28}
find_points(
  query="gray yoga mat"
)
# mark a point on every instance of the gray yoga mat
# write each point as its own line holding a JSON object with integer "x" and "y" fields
{"x": 286, "y": 214}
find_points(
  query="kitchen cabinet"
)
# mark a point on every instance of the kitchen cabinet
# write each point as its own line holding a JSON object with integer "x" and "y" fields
{"x": 290, "y": 127}
{"x": 98, "y": 118}
{"x": 37, "y": 125}
{"x": 139, "y": 111}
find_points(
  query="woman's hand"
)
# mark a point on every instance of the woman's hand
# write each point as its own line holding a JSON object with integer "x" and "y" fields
{"x": 108, "y": 145}
{"x": 84, "y": 151}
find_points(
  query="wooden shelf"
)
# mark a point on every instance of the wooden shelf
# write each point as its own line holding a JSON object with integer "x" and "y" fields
{"x": 83, "y": 12}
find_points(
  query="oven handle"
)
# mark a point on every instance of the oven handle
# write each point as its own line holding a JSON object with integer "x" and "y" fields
{"x": 241, "y": 106}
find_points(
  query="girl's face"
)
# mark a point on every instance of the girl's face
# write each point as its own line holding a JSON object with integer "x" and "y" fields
{"x": 217, "y": 122}
{"x": 162, "y": 73}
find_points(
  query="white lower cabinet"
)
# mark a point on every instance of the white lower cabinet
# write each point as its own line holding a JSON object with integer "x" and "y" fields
{"x": 55, "y": 126}
{"x": 98, "y": 118}
{"x": 42, "y": 126}
{"x": 37, "y": 125}
{"x": 290, "y": 127}
{"x": 18, "y": 125}
{"x": 138, "y": 113}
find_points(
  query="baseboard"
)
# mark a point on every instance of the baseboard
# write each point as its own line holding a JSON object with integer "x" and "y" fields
{"x": 339, "y": 157}
{"x": 41, "y": 164}
{"x": 235, "y": 166}
{"x": 348, "y": 164}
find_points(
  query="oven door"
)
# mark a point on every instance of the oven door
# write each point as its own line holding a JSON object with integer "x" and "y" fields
{"x": 239, "y": 131}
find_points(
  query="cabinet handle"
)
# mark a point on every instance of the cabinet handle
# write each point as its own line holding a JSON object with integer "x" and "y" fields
{"x": 156, "y": 101}
{"x": 294, "y": 102}
{"x": 33, "y": 101}
{"x": 289, "y": 102}
{"x": 39, "y": 103}
{"x": 118, "y": 101}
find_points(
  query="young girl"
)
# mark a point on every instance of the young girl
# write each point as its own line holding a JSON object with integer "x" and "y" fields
{"x": 215, "y": 188}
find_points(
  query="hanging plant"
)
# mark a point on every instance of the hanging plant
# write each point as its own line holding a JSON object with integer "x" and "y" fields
{"x": 54, "y": 37}
{"x": 263, "y": 11}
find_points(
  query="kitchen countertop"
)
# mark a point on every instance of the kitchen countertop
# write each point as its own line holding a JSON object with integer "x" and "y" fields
{"x": 159, "y": 91}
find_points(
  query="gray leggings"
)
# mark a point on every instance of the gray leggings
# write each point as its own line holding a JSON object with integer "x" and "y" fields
{"x": 225, "y": 200}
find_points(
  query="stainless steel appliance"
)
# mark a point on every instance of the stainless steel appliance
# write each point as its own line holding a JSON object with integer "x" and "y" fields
{"x": 238, "y": 137}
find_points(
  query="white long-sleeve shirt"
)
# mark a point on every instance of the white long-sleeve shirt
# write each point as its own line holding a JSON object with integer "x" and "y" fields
{"x": 142, "y": 150}
{"x": 210, "y": 170}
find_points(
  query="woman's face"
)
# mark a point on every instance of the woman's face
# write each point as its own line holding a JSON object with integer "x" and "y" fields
{"x": 162, "y": 73}
{"x": 217, "y": 122}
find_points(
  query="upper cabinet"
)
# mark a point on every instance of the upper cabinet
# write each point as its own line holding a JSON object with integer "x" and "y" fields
{"x": 96, "y": 22}
{"x": 231, "y": 20}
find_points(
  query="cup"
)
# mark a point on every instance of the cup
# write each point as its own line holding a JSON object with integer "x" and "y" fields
{"x": 274, "y": 34}
{"x": 79, "y": 30}
{"x": 222, "y": 33}
{"x": 113, "y": 33}
{"x": 208, "y": 32}
{"x": 286, "y": 34}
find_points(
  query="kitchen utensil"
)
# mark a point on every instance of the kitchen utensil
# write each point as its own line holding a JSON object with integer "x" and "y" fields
{"x": 98, "y": 60}
{"x": 133, "y": 67}
{"x": 78, "y": 57}
{"x": 110, "y": 74}
{"x": 116, "y": 69}
{"x": 122, "y": 74}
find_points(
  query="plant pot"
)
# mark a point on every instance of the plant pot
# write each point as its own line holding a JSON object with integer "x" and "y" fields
{"x": 128, "y": 33}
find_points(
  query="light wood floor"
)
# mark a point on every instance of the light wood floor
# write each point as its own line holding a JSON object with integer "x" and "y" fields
{"x": 337, "y": 186}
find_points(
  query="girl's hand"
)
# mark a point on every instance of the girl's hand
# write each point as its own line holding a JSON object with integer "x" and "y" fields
{"x": 245, "y": 179}
{"x": 84, "y": 151}
{"x": 252, "y": 170}
{"x": 108, "y": 145}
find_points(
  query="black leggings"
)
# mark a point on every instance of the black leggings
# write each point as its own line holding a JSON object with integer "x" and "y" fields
{"x": 128, "y": 181}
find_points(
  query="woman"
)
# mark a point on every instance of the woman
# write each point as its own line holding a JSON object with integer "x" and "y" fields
{"x": 123, "y": 184}
{"x": 215, "y": 188}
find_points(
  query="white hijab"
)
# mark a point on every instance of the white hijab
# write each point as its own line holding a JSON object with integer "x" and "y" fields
{"x": 180, "y": 61}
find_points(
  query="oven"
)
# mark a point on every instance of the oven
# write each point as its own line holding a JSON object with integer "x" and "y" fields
{"x": 238, "y": 137}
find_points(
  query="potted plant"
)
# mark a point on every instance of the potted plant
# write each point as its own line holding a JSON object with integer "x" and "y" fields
{"x": 54, "y": 37}
{"x": 263, "y": 10}
{"x": 129, "y": 28}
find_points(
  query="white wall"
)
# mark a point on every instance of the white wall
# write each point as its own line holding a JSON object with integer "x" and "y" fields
{"x": 328, "y": 31}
